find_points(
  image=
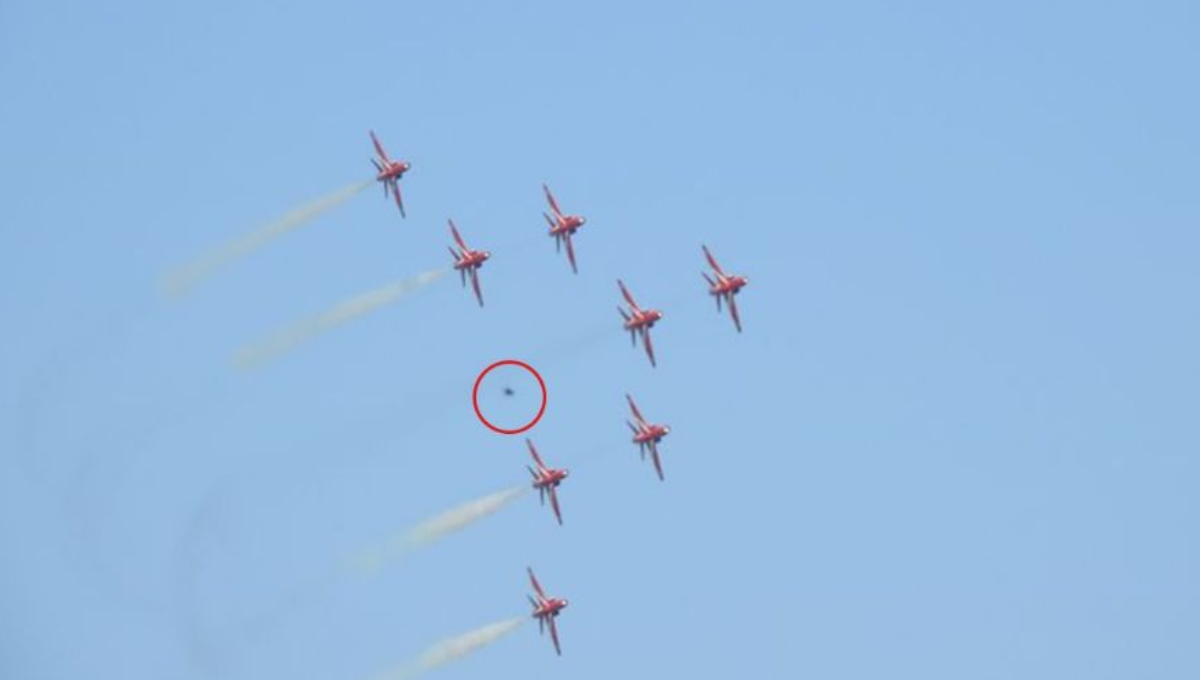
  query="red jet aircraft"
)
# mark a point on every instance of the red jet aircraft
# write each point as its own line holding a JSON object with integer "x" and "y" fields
{"x": 389, "y": 172}
{"x": 639, "y": 321}
{"x": 647, "y": 435}
{"x": 726, "y": 286}
{"x": 468, "y": 262}
{"x": 545, "y": 610}
{"x": 546, "y": 480}
{"x": 562, "y": 227}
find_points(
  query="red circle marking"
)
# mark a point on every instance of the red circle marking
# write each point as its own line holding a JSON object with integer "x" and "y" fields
{"x": 475, "y": 396}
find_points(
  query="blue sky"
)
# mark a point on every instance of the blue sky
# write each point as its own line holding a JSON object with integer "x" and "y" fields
{"x": 957, "y": 439}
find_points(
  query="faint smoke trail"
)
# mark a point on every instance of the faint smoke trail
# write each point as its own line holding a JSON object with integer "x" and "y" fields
{"x": 435, "y": 528}
{"x": 259, "y": 353}
{"x": 453, "y": 649}
{"x": 457, "y": 518}
{"x": 180, "y": 280}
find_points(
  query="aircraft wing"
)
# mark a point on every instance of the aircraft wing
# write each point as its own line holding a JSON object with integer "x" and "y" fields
{"x": 475, "y": 285}
{"x": 550, "y": 199}
{"x": 570, "y": 252}
{"x": 734, "y": 312}
{"x": 628, "y": 297}
{"x": 534, "y": 453}
{"x": 379, "y": 147}
{"x": 712, "y": 261}
{"x": 636, "y": 413}
{"x": 536, "y": 586}
{"x": 554, "y": 634}
{"x": 457, "y": 237}
{"x": 399, "y": 199}
{"x": 554, "y": 504}
{"x": 657, "y": 462}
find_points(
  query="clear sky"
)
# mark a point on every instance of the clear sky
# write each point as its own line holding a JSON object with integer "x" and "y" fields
{"x": 957, "y": 439}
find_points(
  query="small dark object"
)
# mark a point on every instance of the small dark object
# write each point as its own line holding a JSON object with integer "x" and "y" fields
{"x": 508, "y": 392}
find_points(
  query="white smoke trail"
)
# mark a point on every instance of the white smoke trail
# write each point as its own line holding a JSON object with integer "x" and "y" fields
{"x": 180, "y": 280}
{"x": 457, "y": 518}
{"x": 434, "y": 528}
{"x": 453, "y": 649}
{"x": 256, "y": 354}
